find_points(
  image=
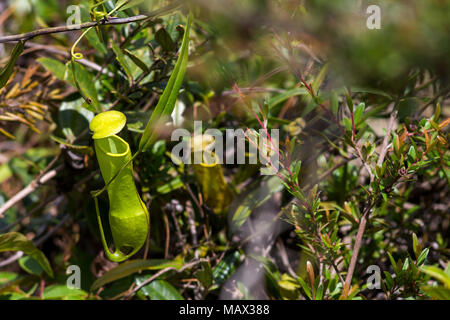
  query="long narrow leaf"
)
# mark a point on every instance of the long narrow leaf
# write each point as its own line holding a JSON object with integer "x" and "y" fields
{"x": 15, "y": 241}
{"x": 8, "y": 69}
{"x": 132, "y": 266}
{"x": 167, "y": 101}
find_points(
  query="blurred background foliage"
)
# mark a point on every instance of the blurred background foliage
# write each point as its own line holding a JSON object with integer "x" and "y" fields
{"x": 309, "y": 68}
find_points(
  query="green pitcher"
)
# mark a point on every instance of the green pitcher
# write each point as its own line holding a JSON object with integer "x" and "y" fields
{"x": 128, "y": 216}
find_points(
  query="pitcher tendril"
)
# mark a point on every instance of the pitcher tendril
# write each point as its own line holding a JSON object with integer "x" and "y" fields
{"x": 78, "y": 55}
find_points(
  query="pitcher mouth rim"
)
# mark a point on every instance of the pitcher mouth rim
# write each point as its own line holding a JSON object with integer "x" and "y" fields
{"x": 111, "y": 154}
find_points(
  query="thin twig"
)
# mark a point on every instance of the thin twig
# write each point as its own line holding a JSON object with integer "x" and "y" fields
{"x": 167, "y": 230}
{"x": 199, "y": 206}
{"x": 41, "y": 205}
{"x": 40, "y": 32}
{"x": 384, "y": 146}
{"x": 48, "y": 234}
{"x": 85, "y": 62}
{"x": 110, "y": 21}
{"x": 191, "y": 223}
{"x": 13, "y": 258}
{"x": 46, "y": 202}
{"x": 359, "y": 237}
{"x": 365, "y": 164}
{"x": 177, "y": 226}
{"x": 351, "y": 268}
{"x": 161, "y": 272}
{"x": 307, "y": 188}
{"x": 324, "y": 175}
{"x": 334, "y": 265}
{"x": 284, "y": 257}
{"x": 364, "y": 218}
{"x": 357, "y": 246}
{"x": 30, "y": 188}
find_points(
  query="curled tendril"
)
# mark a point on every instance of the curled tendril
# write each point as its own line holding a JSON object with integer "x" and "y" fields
{"x": 98, "y": 15}
{"x": 78, "y": 55}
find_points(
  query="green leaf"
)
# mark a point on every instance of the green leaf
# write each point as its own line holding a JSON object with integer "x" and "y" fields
{"x": 423, "y": 255}
{"x": 130, "y": 4}
{"x": 174, "y": 184}
{"x": 284, "y": 96}
{"x": 399, "y": 267}
{"x": 440, "y": 293}
{"x": 407, "y": 107}
{"x": 405, "y": 265}
{"x": 371, "y": 91}
{"x": 349, "y": 101}
{"x": 122, "y": 61}
{"x": 226, "y": 267}
{"x": 164, "y": 39}
{"x": 30, "y": 265}
{"x": 123, "y": 5}
{"x": 412, "y": 153}
{"x": 5, "y": 172}
{"x": 204, "y": 275}
{"x": 334, "y": 102}
{"x": 158, "y": 289}
{"x": 8, "y": 69}
{"x": 93, "y": 38}
{"x": 389, "y": 280}
{"x": 438, "y": 274}
{"x": 119, "y": 4}
{"x": 6, "y": 277}
{"x": 437, "y": 112}
{"x": 297, "y": 167}
{"x": 137, "y": 118}
{"x": 54, "y": 66}
{"x": 416, "y": 247}
{"x": 84, "y": 82}
{"x": 305, "y": 287}
{"x": 15, "y": 241}
{"x": 288, "y": 287}
{"x": 167, "y": 101}
{"x": 320, "y": 77}
{"x": 129, "y": 267}
{"x": 137, "y": 61}
{"x": 62, "y": 292}
{"x": 394, "y": 264}
{"x": 359, "y": 112}
{"x": 73, "y": 118}
{"x": 319, "y": 293}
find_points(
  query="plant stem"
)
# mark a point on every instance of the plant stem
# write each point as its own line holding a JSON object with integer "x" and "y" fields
{"x": 111, "y": 21}
{"x": 357, "y": 246}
